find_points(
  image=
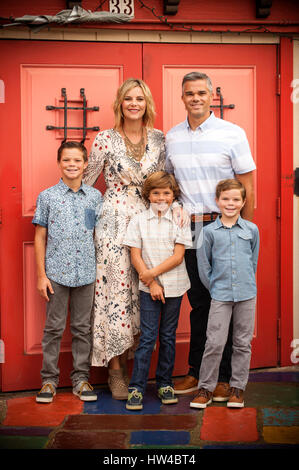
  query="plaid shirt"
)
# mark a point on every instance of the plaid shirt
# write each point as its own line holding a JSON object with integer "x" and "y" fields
{"x": 70, "y": 218}
{"x": 156, "y": 236}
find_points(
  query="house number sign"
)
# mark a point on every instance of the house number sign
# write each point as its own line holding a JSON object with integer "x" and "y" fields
{"x": 122, "y": 6}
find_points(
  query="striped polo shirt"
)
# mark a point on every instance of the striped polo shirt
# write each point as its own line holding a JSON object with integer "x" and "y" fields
{"x": 199, "y": 159}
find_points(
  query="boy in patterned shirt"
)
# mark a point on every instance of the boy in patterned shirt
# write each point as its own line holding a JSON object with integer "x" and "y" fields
{"x": 157, "y": 253}
{"x": 65, "y": 217}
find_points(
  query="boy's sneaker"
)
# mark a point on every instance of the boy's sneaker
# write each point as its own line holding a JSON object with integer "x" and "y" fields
{"x": 236, "y": 399}
{"x": 134, "y": 401}
{"x": 221, "y": 392}
{"x": 85, "y": 392}
{"x": 202, "y": 399}
{"x": 46, "y": 393}
{"x": 166, "y": 394}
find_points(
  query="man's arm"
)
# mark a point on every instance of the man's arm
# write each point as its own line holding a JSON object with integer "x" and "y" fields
{"x": 43, "y": 283}
{"x": 248, "y": 182}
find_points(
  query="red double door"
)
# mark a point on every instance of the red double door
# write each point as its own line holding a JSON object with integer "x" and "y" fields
{"x": 37, "y": 75}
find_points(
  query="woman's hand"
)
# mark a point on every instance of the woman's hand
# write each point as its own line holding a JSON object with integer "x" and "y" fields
{"x": 157, "y": 292}
{"x": 181, "y": 216}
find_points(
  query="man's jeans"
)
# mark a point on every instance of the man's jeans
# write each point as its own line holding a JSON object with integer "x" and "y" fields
{"x": 81, "y": 303}
{"x": 199, "y": 298}
{"x": 151, "y": 312}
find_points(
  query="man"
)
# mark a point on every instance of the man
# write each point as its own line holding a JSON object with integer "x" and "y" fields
{"x": 200, "y": 152}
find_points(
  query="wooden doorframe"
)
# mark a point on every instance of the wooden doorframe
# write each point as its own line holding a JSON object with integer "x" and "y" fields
{"x": 286, "y": 204}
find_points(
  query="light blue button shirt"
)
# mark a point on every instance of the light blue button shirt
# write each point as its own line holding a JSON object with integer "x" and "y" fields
{"x": 227, "y": 260}
{"x": 70, "y": 218}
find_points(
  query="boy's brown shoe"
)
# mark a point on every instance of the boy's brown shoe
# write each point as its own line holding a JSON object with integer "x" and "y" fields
{"x": 202, "y": 399}
{"x": 221, "y": 392}
{"x": 236, "y": 399}
{"x": 188, "y": 384}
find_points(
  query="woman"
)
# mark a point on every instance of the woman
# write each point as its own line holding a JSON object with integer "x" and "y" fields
{"x": 126, "y": 154}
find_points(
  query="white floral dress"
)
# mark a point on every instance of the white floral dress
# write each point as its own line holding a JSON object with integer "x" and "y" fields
{"x": 116, "y": 321}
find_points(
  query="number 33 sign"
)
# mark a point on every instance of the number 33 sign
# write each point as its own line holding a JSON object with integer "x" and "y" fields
{"x": 122, "y": 6}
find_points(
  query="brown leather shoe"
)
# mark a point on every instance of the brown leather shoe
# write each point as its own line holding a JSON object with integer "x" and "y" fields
{"x": 221, "y": 392}
{"x": 236, "y": 399}
{"x": 201, "y": 400}
{"x": 188, "y": 384}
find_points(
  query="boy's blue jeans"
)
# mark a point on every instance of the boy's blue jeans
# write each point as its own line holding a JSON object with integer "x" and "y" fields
{"x": 151, "y": 313}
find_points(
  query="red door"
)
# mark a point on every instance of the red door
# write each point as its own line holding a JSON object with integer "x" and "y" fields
{"x": 34, "y": 74}
{"x": 246, "y": 75}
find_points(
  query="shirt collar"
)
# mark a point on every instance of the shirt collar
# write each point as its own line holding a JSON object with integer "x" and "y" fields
{"x": 208, "y": 123}
{"x": 151, "y": 214}
{"x": 240, "y": 222}
{"x": 64, "y": 188}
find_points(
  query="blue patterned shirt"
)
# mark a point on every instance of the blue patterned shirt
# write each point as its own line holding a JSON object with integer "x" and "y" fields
{"x": 199, "y": 159}
{"x": 227, "y": 260}
{"x": 70, "y": 218}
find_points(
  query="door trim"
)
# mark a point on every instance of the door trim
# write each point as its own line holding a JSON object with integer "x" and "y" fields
{"x": 286, "y": 184}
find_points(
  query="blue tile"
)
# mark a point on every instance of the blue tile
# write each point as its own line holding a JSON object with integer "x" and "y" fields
{"x": 107, "y": 405}
{"x": 274, "y": 377}
{"x": 160, "y": 438}
{"x": 282, "y": 417}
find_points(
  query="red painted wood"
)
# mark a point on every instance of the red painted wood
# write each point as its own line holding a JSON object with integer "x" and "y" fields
{"x": 263, "y": 58}
{"x": 21, "y": 371}
{"x": 286, "y": 241}
{"x": 217, "y": 15}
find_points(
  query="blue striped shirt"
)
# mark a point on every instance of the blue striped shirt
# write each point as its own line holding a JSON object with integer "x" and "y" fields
{"x": 199, "y": 159}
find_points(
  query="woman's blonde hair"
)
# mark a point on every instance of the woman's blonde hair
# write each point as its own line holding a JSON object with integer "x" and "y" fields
{"x": 160, "y": 179}
{"x": 128, "y": 85}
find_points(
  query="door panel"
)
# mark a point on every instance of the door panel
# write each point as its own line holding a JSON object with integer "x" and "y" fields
{"x": 34, "y": 74}
{"x": 246, "y": 75}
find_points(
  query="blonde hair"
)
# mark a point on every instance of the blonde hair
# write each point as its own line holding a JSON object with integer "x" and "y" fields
{"x": 128, "y": 85}
{"x": 226, "y": 185}
{"x": 160, "y": 179}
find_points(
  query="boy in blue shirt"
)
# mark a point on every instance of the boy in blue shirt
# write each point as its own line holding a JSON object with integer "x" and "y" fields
{"x": 227, "y": 262}
{"x": 65, "y": 217}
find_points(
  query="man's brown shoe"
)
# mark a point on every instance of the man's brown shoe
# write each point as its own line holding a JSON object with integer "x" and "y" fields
{"x": 236, "y": 399}
{"x": 188, "y": 384}
{"x": 201, "y": 400}
{"x": 221, "y": 392}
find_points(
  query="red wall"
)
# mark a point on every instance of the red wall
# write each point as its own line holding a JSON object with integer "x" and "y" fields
{"x": 216, "y": 15}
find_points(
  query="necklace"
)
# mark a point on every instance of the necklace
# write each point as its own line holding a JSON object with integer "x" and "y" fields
{"x": 135, "y": 151}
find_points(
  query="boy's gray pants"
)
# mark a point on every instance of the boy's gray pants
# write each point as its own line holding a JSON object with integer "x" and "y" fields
{"x": 217, "y": 331}
{"x": 81, "y": 303}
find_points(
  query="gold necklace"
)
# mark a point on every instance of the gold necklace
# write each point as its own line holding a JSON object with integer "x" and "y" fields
{"x": 135, "y": 151}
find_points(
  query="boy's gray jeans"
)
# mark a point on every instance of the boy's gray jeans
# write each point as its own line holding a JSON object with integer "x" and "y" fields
{"x": 217, "y": 331}
{"x": 81, "y": 303}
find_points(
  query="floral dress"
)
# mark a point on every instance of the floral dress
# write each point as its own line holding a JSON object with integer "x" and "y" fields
{"x": 116, "y": 321}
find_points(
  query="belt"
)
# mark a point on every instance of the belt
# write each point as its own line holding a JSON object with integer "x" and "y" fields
{"x": 204, "y": 217}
